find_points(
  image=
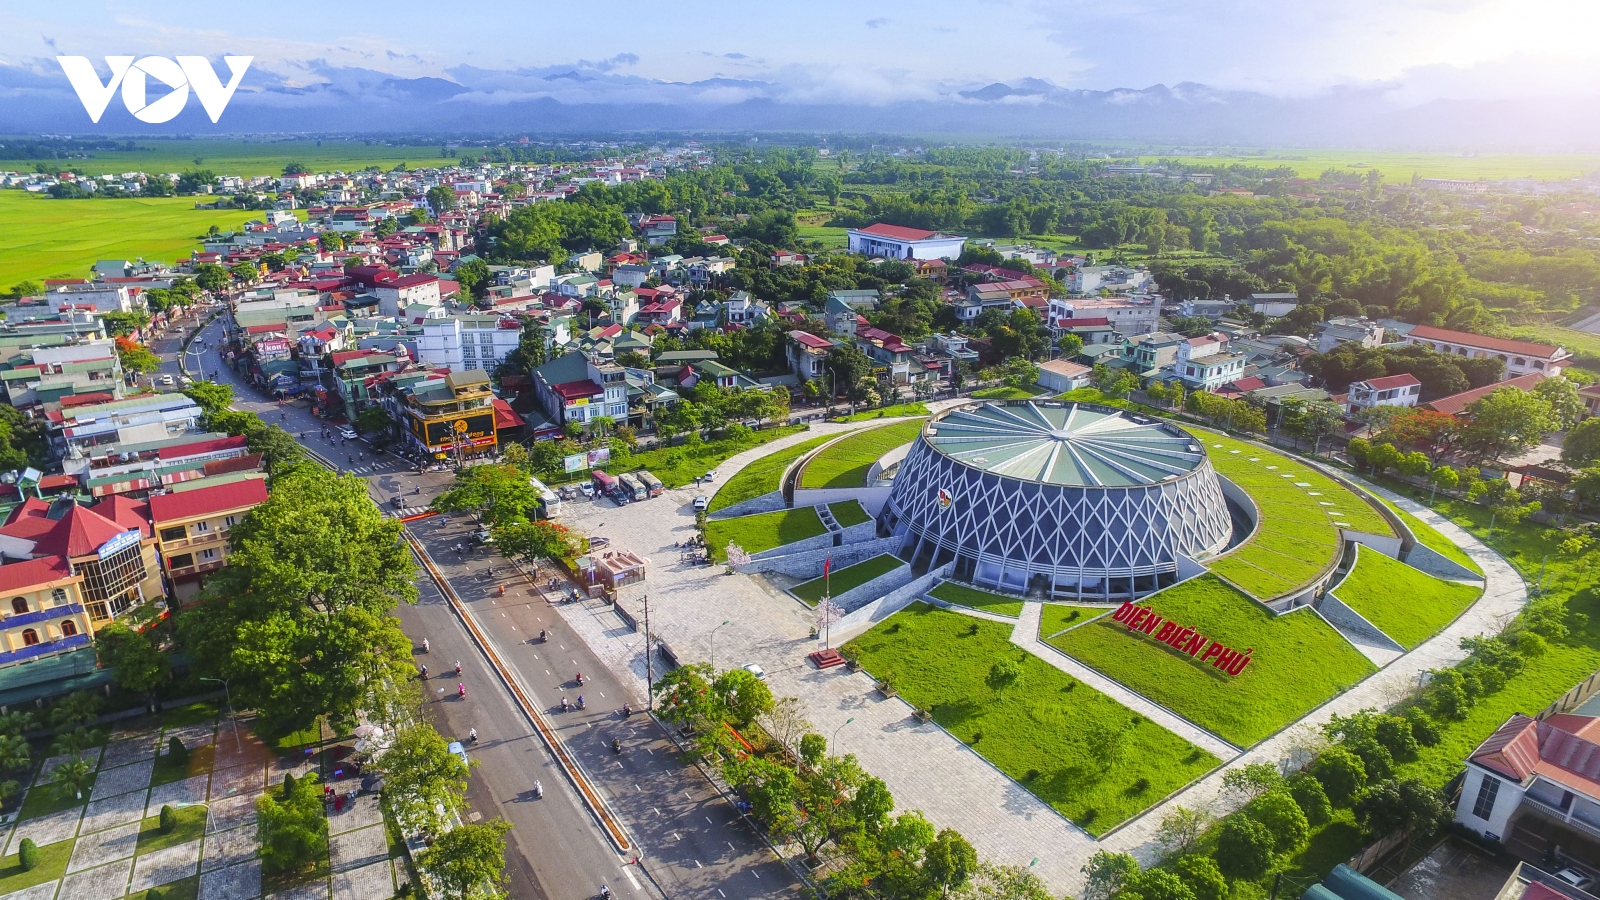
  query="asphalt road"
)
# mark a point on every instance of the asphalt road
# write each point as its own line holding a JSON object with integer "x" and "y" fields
{"x": 690, "y": 842}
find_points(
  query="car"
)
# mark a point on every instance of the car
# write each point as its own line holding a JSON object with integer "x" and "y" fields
{"x": 399, "y": 502}
{"x": 166, "y": 381}
{"x": 711, "y": 475}
{"x": 483, "y": 536}
{"x": 587, "y": 490}
{"x": 1575, "y": 878}
{"x": 348, "y": 434}
{"x": 701, "y": 503}
{"x": 459, "y": 751}
{"x": 756, "y": 670}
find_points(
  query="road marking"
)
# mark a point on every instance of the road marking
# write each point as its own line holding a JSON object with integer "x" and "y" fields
{"x": 626, "y": 871}
{"x": 697, "y": 864}
{"x": 637, "y": 788}
{"x": 676, "y": 836}
{"x": 602, "y": 696}
{"x": 731, "y": 847}
{"x": 686, "y": 796}
{"x": 709, "y": 822}
{"x": 719, "y": 891}
{"x": 563, "y": 646}
{"x": 755, "y": 873}
{"x": 656, "y": 811}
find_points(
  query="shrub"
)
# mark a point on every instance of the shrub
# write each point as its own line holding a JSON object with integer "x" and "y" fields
{"x": 1395, "y": 735}
{"x": 169, "y": 819}
{"x": 28, "y": 854}
{"x": 1341, "y": 774}
{"x": 1159, "y": 884}
{"x": 177, "y": 751}
{"x": 1376, "y": 760}
{"x": 1423, "y": 727}
{"x": 1281, "y": 815}
{"x": 1244, "y": 847}
{"x": 1202, "y": 876}
{"x": 1311, "y": 798}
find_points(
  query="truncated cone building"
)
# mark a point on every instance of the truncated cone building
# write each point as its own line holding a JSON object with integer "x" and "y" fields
{"x": 1071, "y": 500}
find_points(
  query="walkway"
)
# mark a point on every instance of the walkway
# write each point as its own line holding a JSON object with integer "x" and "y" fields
{"x": 1026, "y": 636}
{"x": 1503, "y": 597}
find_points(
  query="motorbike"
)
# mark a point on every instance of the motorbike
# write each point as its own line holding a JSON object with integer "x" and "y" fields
{"x": 627, "y": 710}
{"x": 580, "y": 679}
{"x": 538, "y": 791}
{"x": 461, "y": 691}
{"x": 616, "y": 746}
{"x": 580, "y": 701}
{"x": 564, "y": 705}
{"x": 458, "y": 668}
{"x": 472, "y": 736}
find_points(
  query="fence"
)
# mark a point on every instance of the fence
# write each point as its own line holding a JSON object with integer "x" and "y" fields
{"x": 1572, "y": 699}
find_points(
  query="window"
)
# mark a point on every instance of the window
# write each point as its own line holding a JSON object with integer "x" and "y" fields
{"x": 202, "y": 527}
{"x": 68, "y": 628}
{"x": 59, "y": 597}
{"x": 181, "y": 561}
{"x": 230, "y": 521}
{"x": 1488, "y": 789}
{"x": 19, "y": 605}
{"x": 208, "y": 554}
{"x": 29, "y": 637}
{"x": 176, "y": 533}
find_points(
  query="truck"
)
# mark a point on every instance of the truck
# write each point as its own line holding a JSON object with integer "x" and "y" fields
{"x": 632, "y": 488}
{"x": 604, "y": 483}
{"x": 652, "y": 484}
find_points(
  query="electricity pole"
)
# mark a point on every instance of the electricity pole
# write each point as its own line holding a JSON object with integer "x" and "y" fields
{"x": 649, "y": 651}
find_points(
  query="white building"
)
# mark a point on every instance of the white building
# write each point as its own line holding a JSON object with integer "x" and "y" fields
{"x": 1393, "y": 390}
{"x": 1204, "y": 363}
{"x": 103, "y": 297}
{"x": 395, "y": 295}
{"x": 468, "y": 341}
{"x": 1061, "y": 376}
{"x": 1274, "y": 305}
{"x": 1127, "y": 317}
{"x": 1090, "y": 279}
{"x": 808, "y": 354}
{"x": 1547, "y": 771}
{"x": 1346, "y": 330}
{"x": 896, "y": 242}
{"x": 1520, "y": 357}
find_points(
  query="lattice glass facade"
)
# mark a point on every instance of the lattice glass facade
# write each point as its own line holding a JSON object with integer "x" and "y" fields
{"x": 1019, "y": 498}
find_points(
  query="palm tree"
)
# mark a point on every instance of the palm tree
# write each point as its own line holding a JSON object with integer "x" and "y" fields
{"x": 77, "y": 709}
{"x": 73, "y": 777}
{"x": 602, "y": 426}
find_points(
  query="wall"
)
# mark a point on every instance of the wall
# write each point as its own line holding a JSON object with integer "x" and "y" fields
{"x": 881, "y": 586}
{"x": 1433, "y": 562}
{"x": 1383, "y": 543}
{"x": 882, "y": 608}
{"x": 1348, "y": 620}
{"x": 808, "y": 564}
{"x": 769, "y": 502}
{"x": 871, "y": 498}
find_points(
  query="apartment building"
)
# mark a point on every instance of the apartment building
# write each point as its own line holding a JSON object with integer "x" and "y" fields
{"x": 192, "y": 527}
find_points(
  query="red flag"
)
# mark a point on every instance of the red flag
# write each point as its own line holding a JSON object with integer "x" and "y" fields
{"x": 826, "y": 565}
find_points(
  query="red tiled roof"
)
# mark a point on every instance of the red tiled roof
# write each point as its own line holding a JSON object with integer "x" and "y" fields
{"x": 896, "y": 232}
{"x": 504, "y": 416}
{"x": 20, "y": 576}
{"x": 1456, "y": 404}
{"x": 78, "y": 533}
{"x": 246, "y": 463}
{"x": 207, "y": 501}
{"x": 72, "y": 400}
{"x": 1501, "y": 345}
{"x": 127, "y": 512}
{"x": 572, "y": 390}
{"x": 199, "y": 447}
{"x": 811, "y": 340}
{"x": 1391, "y": 381}
{"x": 51, "y": 482}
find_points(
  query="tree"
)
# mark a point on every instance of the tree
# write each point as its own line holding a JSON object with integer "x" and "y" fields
{"x": 169, "y": 819}
{"x": 1582, "y": 445}
{"x": 1107, "y": 874}
{"x": 210, "y": 396}
{"x": 827, "y": 808}
{"x": 1181, "y": 829}
{"x": 473, "y": 276}
{"x": 992, "y": 882}
{"x": 28, "y": 855}
{"x": 299, "y": 620}
{"x": 1408, "y": 806}
{"x": 499, "y": 493}
{"x": 291, "y": 826}
{"x": 743, "y": 696}
{"x": 1249, "y": 782}
{"x": 1506, "y": 422}
{"x": 373, "y": 419}
{"x": 1005, "y": 673}
{"x": 1244, "y": 847}
{"x": 136, "y": 358}
{"x": 533, "y": 541}
{"x": 136, "y": 663}
{"x": 1070, "y": 345}
{"x": 1341, "y": 773}
{"x": 948, "y": 862}
{"x": 441, "y": 198}
{"x": 1283, "y": 817}
{"x": 424, "y": 784}
{"x": 1202, "y": 876}
{"x": 1444, "y": 477}
{"x": 468, "y": 861}
{"x": 1414, "y": 464}
{"x": 1160, "y": 884}
{"x": 211, "y": 277}
{"x": 1565, "y": 403}
{"x": 684, "y": 697}
{"x": 1311, "y": 798}
{"x": 1383, "y": 456}
{"x": 72, "y": 778}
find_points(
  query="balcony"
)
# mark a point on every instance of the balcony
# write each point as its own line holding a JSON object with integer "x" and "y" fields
{"x": 61, "y": 645}
{"x": 19, "y": 620}
{"x": 209, "y": 537}
{"x": 1555, "y": 813}
{"x": 210, "y": 565}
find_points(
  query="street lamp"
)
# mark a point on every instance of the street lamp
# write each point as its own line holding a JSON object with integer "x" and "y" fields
{"x": 714, "y": 646}
{"x": 836, "y": 731}
{"x": 185, "y": 804}
{"x": 228, "y": 695}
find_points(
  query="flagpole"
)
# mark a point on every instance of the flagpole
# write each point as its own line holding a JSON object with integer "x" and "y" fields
{"x": 827, "y": 602}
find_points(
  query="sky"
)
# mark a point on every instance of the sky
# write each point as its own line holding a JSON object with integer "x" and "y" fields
{"x": 839, "y": 51}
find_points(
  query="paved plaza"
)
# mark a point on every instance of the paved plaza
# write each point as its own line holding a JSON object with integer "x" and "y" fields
{"x": 103, "y": 859}
{"x": 924, "y": 766}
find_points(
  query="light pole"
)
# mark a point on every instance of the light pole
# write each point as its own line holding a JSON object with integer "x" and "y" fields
{"x": 714, "y": 646}
{"x": 228, "y": 695}
{"x": 836, "y": 731}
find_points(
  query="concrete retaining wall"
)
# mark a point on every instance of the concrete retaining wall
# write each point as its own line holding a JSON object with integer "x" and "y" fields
{"x": 882, "y": 608}
{"x": 871, "y": 498}
{"x": 822, "y": 541}
{"x": 1349, "y": 621}
{"x": 769, "y": 502}
{"x": 1427, "y": 559}
{"x": 1383, "y": 543}
{"x": 881, "y": 586}
{"x": 808, "y": 563}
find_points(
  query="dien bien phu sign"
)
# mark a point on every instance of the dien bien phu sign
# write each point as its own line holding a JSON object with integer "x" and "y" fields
{"x": 1182, "y": 639}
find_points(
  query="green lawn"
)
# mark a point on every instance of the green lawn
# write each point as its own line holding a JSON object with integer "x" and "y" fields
{"x": 1056, "y": 617}
{"x": 167, "y": 770}
{"x": 846, "y": 579}
{"x": 888, "y": 412}
{"x": 1404, "y": 603}
{"x": 1429, "y": 537}
{"x": 43, "y": 238}
{"x": 761, "y": 476}
{"x": 42, "y": 800}
{"x": 849, "y": 512}
{"x": 831, "y": 238}
{"x": 1567, "y": 662}
{"x": 52, "y": 865}
{"x": 1299, "y": 661}
{"x": 1006, "y": 392}
{"x": 183, "y": 889}
{"x": 1301, "y": 512}
{"x": 238, "y": 157}
{"x": 191, "y": 826}
{"x": 845, "y": 464}
{"x": 961, "y": 595}
{"x": 682, "y": 464}
{"x": 1086, "y": 755}
{"x": 763, "y": 531}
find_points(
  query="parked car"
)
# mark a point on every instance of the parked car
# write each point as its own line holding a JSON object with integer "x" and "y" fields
{"x": 460, "y": 751}
{"x": 587, "y": 489}
{"x": 711, "y": 475}
{"x": 756, "y": 670}
{"x": 1575, "y": 878}
{"x": 483, "y": 536}
{"x": 701, "y": 503}
{"x": 166, "y": 381}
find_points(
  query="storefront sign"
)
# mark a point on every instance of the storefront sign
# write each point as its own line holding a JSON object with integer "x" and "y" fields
{"x": 466, "y": 429}
{"x": 1181, "y": 638}
{"x": 121, "y": 541}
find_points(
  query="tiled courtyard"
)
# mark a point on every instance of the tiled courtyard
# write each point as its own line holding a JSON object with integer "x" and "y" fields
{"x": 110, "y": 846}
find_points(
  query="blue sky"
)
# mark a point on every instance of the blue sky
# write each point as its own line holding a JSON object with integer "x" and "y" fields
{"x": 834, "y": 51}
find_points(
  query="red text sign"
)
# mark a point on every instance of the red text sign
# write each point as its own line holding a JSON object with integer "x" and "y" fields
{"x": 1181, "y": 638}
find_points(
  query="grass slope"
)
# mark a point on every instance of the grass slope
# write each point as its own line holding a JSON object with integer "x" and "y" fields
{"x": 1404, "y": 603}
{"x": 763, "y": 531}
{"x": 887, "y": 412}
{"x": 961, "y": 595}
{"x": 1006, "y": 392}
{"x": 679, "y": 465}
{"x": 1083, "y": 753}
{"x": 1299, "y": 661}
{"x": 43, "y": 238}
{"x": 845, "y": 464}
{"x": 761, "y": 476}
{"x": 1057, "y": 617}
{"x": 849, "y": 512}
{"x": 1429, "y": 537}
{"x": 1301, "y": 512}
{"x": 846, "y": 579}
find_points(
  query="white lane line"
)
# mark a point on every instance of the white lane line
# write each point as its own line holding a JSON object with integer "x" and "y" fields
{"x": 656, "y": 811}
{"x": 629, "y": 872}
{"x": 755, "y": 873}
{"x": 697, "y": 864}
{"x": 709, "y": 822}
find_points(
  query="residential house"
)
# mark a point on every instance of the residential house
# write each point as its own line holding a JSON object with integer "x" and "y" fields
{"x": 632, "y": 275}
{"x": 1126, "y": 316}
{"x": 1060, "y": 375}
{"x": 446, "y": 415}
{"x": 889, "y": 354}
{"x": 1535, "y": 783}
{"x": 44, "y": 614}
{"x": 896, "y": 242}
{"x": 1456, "y": 404}
{"x": 1089, "y": 329}
{"x": 571, "y": 388}
{"x": 405, "y": 291}
{"x": 843, "y": 307}
{"x": 1274, "y": 306}
{"x": 1150, "y": 352}
{"x": 808, "y": 354}
{"x": 1519, "y": 357}
{"x": 1204, "y": 363}
{"x": 1338, "y": 330}
{"x": 743, "y": 310}
{"x": 192, "y": 527}
{"x": 1092, "y": 279}
{"x": 1393, "y": 390}
{"x": 464, "y": 342}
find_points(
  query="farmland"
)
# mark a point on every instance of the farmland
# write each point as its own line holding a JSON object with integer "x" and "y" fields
{"x": 1086, "y": 755}
{"x": 845, "y": 464}
{"x": 1398, "y": 167}
{"x": 1299, "y": 661}
{"x": 1404, "y": 603}
{"x": 244, "y": 158}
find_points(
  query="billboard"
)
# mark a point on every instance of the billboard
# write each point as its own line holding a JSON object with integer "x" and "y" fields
{"x": 575, "y": 463}
{"x": 600, "y": 457}
{"x": 444, "y": 433}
